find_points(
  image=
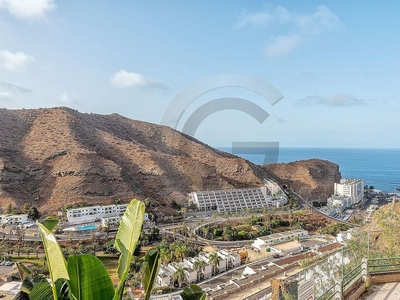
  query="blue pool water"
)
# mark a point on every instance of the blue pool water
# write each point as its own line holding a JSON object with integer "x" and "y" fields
{"x": 86, "y": 227}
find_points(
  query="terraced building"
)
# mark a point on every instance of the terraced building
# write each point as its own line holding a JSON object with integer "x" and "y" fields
{"x": 239, "y": 199}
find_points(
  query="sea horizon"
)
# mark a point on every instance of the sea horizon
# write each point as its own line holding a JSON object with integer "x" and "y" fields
{"x": 378, "y": 167}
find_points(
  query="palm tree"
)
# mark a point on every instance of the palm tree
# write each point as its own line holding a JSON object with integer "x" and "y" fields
{"x": 199, "y": 266}
{"x": 184, "y": 229}
{"x": 28, "y": 251}
{"x": 179, "y": 274}
{"x": 206, "y": 230}
{"x": 214, "y": 259}
{"x": 165, "y": 254}
{"x": 4, "y": 234}
{"x": 180, "y": 252}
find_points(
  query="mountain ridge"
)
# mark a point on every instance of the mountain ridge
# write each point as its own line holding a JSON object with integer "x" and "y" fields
{"x": 56, "y": 156}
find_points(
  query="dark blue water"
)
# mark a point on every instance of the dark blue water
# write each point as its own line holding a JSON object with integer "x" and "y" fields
{"x": 378, "y": 167}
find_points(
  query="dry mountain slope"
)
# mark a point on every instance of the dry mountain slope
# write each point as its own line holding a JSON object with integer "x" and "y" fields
{"x": 312, "y": 179}
{"x": 52, "y": 157}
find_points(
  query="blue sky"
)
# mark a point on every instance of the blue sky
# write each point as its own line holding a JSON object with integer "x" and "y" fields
{"x": 335, "y": 63}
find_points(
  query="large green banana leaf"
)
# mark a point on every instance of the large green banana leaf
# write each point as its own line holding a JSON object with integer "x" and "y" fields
{"x": 55, "y": 258}
{"x": 193, "y": 292}
{"x": 50, "y": 223}
{"x": 88, "y": 278}
{"x": 126, "y": 240}
{"x": 153, "y": 263}
{"x": 41, "y": 291}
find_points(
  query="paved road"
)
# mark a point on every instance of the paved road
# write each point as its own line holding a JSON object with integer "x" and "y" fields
{"x": 387, "y": 291}
{"x": 6, "y": 269}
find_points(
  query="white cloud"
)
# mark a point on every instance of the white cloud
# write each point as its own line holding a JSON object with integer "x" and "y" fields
{"x": 13, "y": 87}
{"x": 335, "y": 100}
{"x": 293, "y": 27}
{"x": 28, "y": 9}
{"x": 282, "y": 44}
{"x": 66, "y": 99}
{"x": 275, "y": 15}
{"x": 5, "y": 96}
{"x": 323, "y": 20}
{"x": 16, "y": 61}
{"x": 123, "y": 78}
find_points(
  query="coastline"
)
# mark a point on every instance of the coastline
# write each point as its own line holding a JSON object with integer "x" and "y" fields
{"x": 377, "y": 167}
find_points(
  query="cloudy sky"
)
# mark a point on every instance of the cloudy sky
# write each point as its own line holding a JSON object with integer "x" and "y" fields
{"x": 335, "y": 63}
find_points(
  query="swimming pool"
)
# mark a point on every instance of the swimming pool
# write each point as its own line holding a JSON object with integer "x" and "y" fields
{"x": 86, "y": 227}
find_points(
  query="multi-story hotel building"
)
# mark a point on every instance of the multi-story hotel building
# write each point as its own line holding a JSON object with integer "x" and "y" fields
{"x": 239, "y": 199}
{"x": 352, "y": 188}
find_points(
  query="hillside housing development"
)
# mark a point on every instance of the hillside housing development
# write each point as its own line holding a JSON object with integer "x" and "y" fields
{"x": 227, "y": 261}
{"x": 239, "y": 199}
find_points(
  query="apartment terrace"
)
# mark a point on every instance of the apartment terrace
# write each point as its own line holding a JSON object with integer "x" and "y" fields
{"x": 238, "y": 199}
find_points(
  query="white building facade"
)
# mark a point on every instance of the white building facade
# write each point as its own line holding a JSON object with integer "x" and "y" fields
{"x": 13, "y": 219}
{"x": 269, "y": 195}
{"x": 264, "y": 243}
{"x": 339, "y": 202}
{"x": 113, "y": 220}
{"x": 352, "y": 188}
{"x": 227, "y": 261}
{"x": 94, "y": 213}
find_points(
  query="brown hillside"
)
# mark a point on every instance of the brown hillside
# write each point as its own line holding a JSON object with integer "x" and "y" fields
{"x": 52, "y": 157}
{"x": 312, "y": 179}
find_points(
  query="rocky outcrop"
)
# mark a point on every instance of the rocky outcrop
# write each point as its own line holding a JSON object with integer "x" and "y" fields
{"x": 312, "y": 179}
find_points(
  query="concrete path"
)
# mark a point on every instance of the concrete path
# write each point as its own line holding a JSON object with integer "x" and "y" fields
{"x": 387, "y": 291}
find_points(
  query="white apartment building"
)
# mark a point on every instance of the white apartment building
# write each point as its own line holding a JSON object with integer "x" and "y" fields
{"x": 232, "y": 260}
{"x": 190, "y": 274}
{"x": 164, "y": 276}
{"x": 239, "y": 199}
{"x": 13, "y": 219}
{"x": 94, "y": 213}
{"x": 339, "y": 202}
{"x": 272, "y": 188}
{"x": 112, "y": 220}
{"x": 228, "y": 261}
{"x": 353, "y": 188}
{"x": 201, "y": 274}
{"x": 263, "y": 243}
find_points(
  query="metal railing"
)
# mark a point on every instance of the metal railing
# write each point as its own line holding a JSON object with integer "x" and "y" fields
{"x": 355, "y": 276}
{"x": 379, "y": 265}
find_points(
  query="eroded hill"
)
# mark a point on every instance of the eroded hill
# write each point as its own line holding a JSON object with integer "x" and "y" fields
{"x": 57, "y": 156}
{"x": 312, "y": 179}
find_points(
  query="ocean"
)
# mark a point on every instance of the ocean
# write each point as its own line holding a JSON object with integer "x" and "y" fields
{"x": 377, "y": 167}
